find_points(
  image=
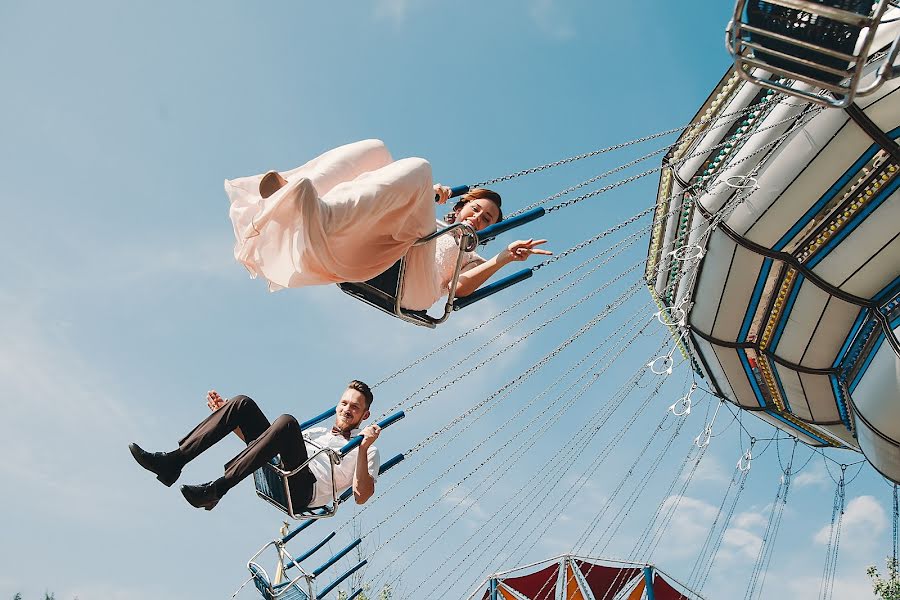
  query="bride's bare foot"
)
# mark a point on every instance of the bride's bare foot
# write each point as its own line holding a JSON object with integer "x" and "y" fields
{"x": 271, "y": 183}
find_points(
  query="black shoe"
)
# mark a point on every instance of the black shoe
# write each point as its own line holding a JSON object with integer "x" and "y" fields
{"x": 166, "y": 465}
{"x": 204, "y": 495}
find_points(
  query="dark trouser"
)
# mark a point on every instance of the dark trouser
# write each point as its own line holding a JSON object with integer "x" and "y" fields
{"x": 264, "y": 442}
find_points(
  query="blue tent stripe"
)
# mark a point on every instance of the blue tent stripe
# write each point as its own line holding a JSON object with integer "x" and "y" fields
{"x": 857, "y": 325}
{"x": 865, "y": 366}
{"x": 789, "y": 305}
{"x": 742, "y": 354}
{"x": 803, "y": 431}
{"x": 754, "y": 300}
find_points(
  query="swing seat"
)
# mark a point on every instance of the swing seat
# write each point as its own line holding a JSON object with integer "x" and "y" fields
{"x": 288, "y": 590}
{"x": 273, "y": 485}
{"x": 824, "y": 43}
{"x": 384, "y": 291}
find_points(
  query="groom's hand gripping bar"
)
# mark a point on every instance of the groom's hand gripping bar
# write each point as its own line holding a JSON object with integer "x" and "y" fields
{"x": 356, "y": 440}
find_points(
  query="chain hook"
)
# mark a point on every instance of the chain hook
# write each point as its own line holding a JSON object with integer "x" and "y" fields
{"x": 682, "y": 406}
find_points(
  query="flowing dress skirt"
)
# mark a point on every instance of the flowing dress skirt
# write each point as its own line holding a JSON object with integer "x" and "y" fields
{"x": 344, "y": 216}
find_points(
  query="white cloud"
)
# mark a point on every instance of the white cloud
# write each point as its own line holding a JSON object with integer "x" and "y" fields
{"x": 746, "y": 520}
{"x": 864, "y": 520}
{"x": 549, "y": 18}
{"x": 814, "y": 475}
{"x": 688, "y": 528}
{"x": 742, "y": 542}
{"x": 393, "y": 10}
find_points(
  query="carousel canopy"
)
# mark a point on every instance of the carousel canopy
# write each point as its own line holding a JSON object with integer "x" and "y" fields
{"x": 775, "y": 259}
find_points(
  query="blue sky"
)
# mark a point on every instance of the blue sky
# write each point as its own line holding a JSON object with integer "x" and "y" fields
{"x": 121, "y": 302}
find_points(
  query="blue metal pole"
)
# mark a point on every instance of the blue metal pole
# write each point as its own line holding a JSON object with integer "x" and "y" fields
{"x": 493, "y": 589}
{"x": 491, "y": 289}
{"x": 311, "y": 551}
{"x": 316, "y": 420}
{"x": 338, "y": 581}
{"x": 337, "y": 557}
{"x": 489, "y": 233}
{"x": 648, "y": 582}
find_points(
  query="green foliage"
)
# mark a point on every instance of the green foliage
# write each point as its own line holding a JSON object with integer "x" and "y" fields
{"x": 889, "y": 588}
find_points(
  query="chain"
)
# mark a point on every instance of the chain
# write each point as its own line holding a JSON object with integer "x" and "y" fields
{"x": 614, "y": 147}
{"x": 529, "y": 441}
{"x": 596, "y": 238}
{"x": 637, "y": 176}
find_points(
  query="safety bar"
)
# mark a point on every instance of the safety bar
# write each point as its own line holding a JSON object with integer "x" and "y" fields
{"x": 457, "y": 190}
{"x": 316, "y": 420}
{"x": 489, "y": 233}
{"x": 487, "y": 290}
{"x": 343, "y": 497}
{"x": 337, "y": 557}
{"x": 357, "y": 440}
{"x": 314, "y": 549}
{"x": 340, "y": 579}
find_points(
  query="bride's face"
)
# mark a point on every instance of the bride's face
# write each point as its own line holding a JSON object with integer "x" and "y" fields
{"x": 478, "y": 213}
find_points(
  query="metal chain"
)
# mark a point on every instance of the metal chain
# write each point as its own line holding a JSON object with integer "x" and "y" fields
{"x": 614, "y": 147}
{"x": 628, "y": 241}
{"x": 580, "y": 435}
{"x": 637, "y": 176}
{"x": 596, "y": 238}
{"x": 528, "y": 441}
{"x": 515, "y": 381}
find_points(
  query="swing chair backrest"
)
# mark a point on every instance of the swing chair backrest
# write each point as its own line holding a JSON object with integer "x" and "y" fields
{"x": 822, "y": 43}
{"x": 384, "y": 291}
{"x": 289, "y": 590}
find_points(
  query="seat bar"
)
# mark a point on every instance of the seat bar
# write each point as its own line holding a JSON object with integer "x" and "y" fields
{"x": 337, "y": 557}
{"x": 795, "y": 42}
{"x": 338, "y": 581}
{"x": 489, "y": 233}
{"x": 386, "y": 422}
{"x": 490, "y": 289}
{"x": 835, "y": 14}
{"x": 314, "y": 549}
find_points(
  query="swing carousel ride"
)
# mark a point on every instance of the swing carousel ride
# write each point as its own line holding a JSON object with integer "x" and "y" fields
{"x": 774, "y": 267}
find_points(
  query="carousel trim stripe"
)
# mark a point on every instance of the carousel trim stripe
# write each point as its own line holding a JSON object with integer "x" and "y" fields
{"x": 827, "y": 197}
{"x": 748, "y": 370}
{"x": 761, "y": 279}
{"x": 855, "y": 221}
{"x": 854, "y": 331}
{"x": 785, "y": 313}
{"x": 867, "y": 362}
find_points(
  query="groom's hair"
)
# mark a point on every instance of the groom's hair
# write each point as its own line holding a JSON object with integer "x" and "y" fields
{"x": 363, "y": 389}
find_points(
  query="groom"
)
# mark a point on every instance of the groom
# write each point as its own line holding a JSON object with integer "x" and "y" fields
{"x": 312, "y": 485}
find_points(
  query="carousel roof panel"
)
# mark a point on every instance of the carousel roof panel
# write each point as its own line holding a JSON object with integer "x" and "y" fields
{"x": 787, "y": 186}
{"x": 834, "y": 327}
{"x": 794, "y": 395}
{"x": 785, "y": 307}
{"x": 712, "y": 367}
{"x": 876, "y": 397}
{"x": 821, "y": 398}
{"x": 738, "y": 292}
{"x": 715, "y": 270}
{"x": 799, "y": 321}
